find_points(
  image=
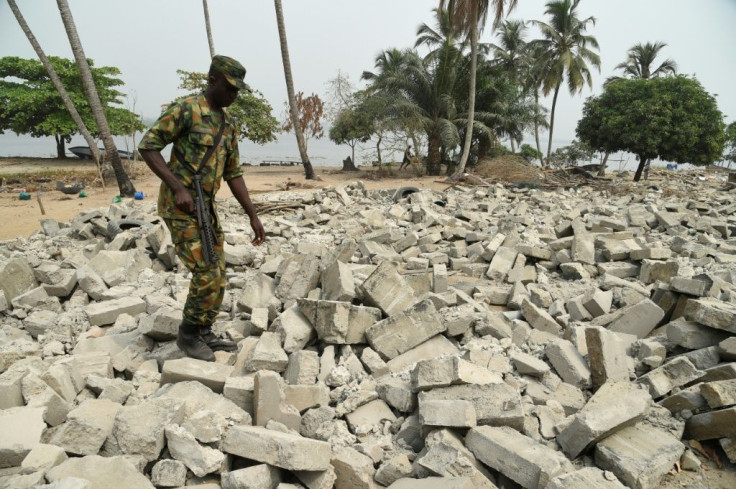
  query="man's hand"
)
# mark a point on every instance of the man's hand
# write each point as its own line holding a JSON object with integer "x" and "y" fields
{"x": 260, "y": 233}
{"x": 183, "y": 200}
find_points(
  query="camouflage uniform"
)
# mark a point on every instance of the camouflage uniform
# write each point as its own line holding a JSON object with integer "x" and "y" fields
{"x": 192, "y": 127}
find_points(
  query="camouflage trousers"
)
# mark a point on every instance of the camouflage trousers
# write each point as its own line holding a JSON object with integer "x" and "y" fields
{"x": 207, "y": 288}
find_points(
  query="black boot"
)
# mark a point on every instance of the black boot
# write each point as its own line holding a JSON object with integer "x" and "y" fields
{"x": 190, "y": 341}
{"x": 216, "y": 343}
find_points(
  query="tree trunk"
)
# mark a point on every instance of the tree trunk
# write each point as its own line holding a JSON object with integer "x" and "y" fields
{"x": 59, "y": 87}
{"x": 536, "y": 129}
{"x": 60, "y": 146}
{"x": 640, "y": 168}
{"x": 602, "y": 168}
{"x": 348, "y": 164}
{"x": 111, "y": 152}
{"x": 513, "y": 146}
{"x": 378, "y": 150}
{"x": 471, "y": 97}
{"x": 293, "y": 109}
{"x": 434, "y": 163}
{"x": 552, "y": 123}
{"x": 209, "y": 29}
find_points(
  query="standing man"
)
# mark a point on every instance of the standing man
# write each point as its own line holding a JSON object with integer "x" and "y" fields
{"x": 205, "y": 152}
{"x": 407, "y": 158}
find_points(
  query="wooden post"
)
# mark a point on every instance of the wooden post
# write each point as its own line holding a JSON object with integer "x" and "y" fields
{"x": 40, "y": 204}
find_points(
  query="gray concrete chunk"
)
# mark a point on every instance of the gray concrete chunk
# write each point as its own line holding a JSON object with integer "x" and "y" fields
{"x": 403, "y": 331}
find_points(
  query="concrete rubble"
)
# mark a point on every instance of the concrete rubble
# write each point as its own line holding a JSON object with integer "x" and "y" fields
{"x": 486, "y": 337}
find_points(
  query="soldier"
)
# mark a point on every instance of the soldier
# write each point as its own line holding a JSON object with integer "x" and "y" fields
{"x": 205, "y": 152}
{"x": 407, "y": 158}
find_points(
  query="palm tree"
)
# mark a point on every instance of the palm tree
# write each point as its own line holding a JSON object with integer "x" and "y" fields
{"x": 565, "y": 51}
{"x": 209, "y": 29}
{"x": 640, "y": 61}
{"x": 511, "y": 51}
{"x": 111, "y": 152}
{"x": 470, "y": 16}
{"x": 59, "y": 86}
{"x": 293, "y": 109}
{"x": 421, "y": 94}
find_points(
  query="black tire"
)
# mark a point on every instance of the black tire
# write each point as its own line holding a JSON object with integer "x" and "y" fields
{"x": 117, "y": 226}
{"x": 404, "y": 192}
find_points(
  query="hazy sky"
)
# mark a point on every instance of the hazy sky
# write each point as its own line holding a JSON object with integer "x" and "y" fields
{"x": 148, "y": 40}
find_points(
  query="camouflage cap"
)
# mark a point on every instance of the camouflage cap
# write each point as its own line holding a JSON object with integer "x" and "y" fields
{"x": 230, "y": 68}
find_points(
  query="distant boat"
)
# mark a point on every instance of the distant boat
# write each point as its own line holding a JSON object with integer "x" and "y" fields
{"x": 85, "y": 152}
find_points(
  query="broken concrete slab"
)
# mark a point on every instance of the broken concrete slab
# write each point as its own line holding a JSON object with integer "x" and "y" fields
{"x": 403, "y": 331}
{"x": 211, "y": 374}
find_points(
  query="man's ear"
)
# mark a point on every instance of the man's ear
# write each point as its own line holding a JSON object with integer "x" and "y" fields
{"x": 212, "y": 79}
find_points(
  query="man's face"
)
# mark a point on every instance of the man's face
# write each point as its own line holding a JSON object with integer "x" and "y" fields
{"x": 223, "y": 93}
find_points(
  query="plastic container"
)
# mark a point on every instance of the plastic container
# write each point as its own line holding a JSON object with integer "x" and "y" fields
{"x": 82, "y": 194}
{"x": 138, "y": 196}
{"x": 24, "y": 196}
{"x": 117, "y": 199}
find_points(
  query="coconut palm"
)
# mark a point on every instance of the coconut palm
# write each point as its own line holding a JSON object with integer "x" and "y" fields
{"x": 565, "y": 52}
{"x": 640, "y": 61}
{"x": 59, "y": 86}
{"x": 293, "y": 109}
{"x": 511, "y": 52}
{"x": 111, "y": 152}
{"x": 209, "y": 29}
{"x": 470, "y": 16}
{"x": 421, "y": 93}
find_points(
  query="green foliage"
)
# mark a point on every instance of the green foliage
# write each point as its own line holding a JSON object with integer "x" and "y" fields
{"x": 572, "y": 154}
{"x": 351, "y": 126}
{"x": 529, "y": 153}
{"x": 671, "y": 118}
{"x": 30, "y": 104}
{"x": 730, "y": 143}
{"x": 251, "y": 112}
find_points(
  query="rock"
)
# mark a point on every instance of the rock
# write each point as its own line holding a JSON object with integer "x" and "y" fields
{"x": 110, "y": 473}
{"x": 22, "y": 428}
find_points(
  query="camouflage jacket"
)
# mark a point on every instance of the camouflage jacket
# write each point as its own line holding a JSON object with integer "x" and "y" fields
{"x": 192, "y": 127}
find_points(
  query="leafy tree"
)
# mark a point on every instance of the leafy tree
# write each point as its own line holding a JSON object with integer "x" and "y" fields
{"x": 251, "y": 112}
{"x": 640, "y": 61}
{"x": 293, "y": 108}
{"x": 31, "y": 104}
{"x": 572, "y": 154}
{"x": 351, "y": 127}
{"x": 672, "y": 118}
{"x": 529, "y": 153}
{"x": 729, "y": 153}
{"x": 564, "y": 52}
{"x": 310, "y": 112}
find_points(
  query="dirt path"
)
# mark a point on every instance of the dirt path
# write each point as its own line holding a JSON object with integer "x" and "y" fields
{"x": 37, "y": 176}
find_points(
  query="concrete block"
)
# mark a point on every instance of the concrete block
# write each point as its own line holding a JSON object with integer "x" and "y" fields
{"x": 587, "y": 478}
{"x": 502, "y": 263}
{"x": 298, "y": 275}
{"x": 303, "y": 397}
{"x": 211, "y": 374}
{"x": 267, "y": 354}
{"x": 692, "y": 335}
{"x": 168, "y": 473}
{"x": 403, "y": 331}
{"x": 718, "y": 394}
{"x": 614, "y": 406}
{"x": 443, "y": 372}
{"x": 269, "y": 401}
{"x": 639, "y": 455}
{"x": 432, "y": 348}
{"x": 303, "y": 368}
{"x": 699, "y": 285}
{"x": 599, "y": 303}
{"x": 712, "y": 312}
{"x": 607, "y": 356}
{"x": 387, "y": 290}
{"x": 87, "y": 427}
{"x": 163, "y": 325}
{"x": 370, "y": 414}
{"x": 339, "y": 322}
{"x": 518, "y": 457}
{"x": 494, "y": 323}
{"x": 107, "y": 472}
{"x": 453, "y": 414}
{"x": 689, "y": 399}
{"x": 727, "y": 349}
{"x": 583, "y": 248}
{"x": 295, "y": 330}
{"x": 539, "y": 318}
{"x": 569, "y": 363}
{"x": 675, "y": 373}
{"x": 712, "y": 425}
{"x": 495, "y": 404}
{"x": 259, "y": 291}
{"x": 22, "y": 428}
{"x": 259, "y": 320}
{"x": 183, "y": 446}
{"x": 439, "y": 278}
{"x": 255, "y": 477}
{"x": 638, "y": 319}
{"x": 338, "y": 283}
{"x": 373, "y": 362}
{"x": 284, "y": 450}
{"x": 106, "y": 312}
{"x": 353, "y": 469}
{"x": 529, "y": 365}
{"x": 16, "y": 278}
{"x": 653, "y": 271}
{"x": 43, "y": 457}
{"x": 397, "y": 393}
{"x": 435, "y": 483}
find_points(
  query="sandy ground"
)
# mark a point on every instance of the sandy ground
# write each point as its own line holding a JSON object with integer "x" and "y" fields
{"x": 23, "y": 217}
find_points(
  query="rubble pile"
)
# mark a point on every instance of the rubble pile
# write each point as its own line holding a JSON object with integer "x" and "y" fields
{"x": 486, "y": 337}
